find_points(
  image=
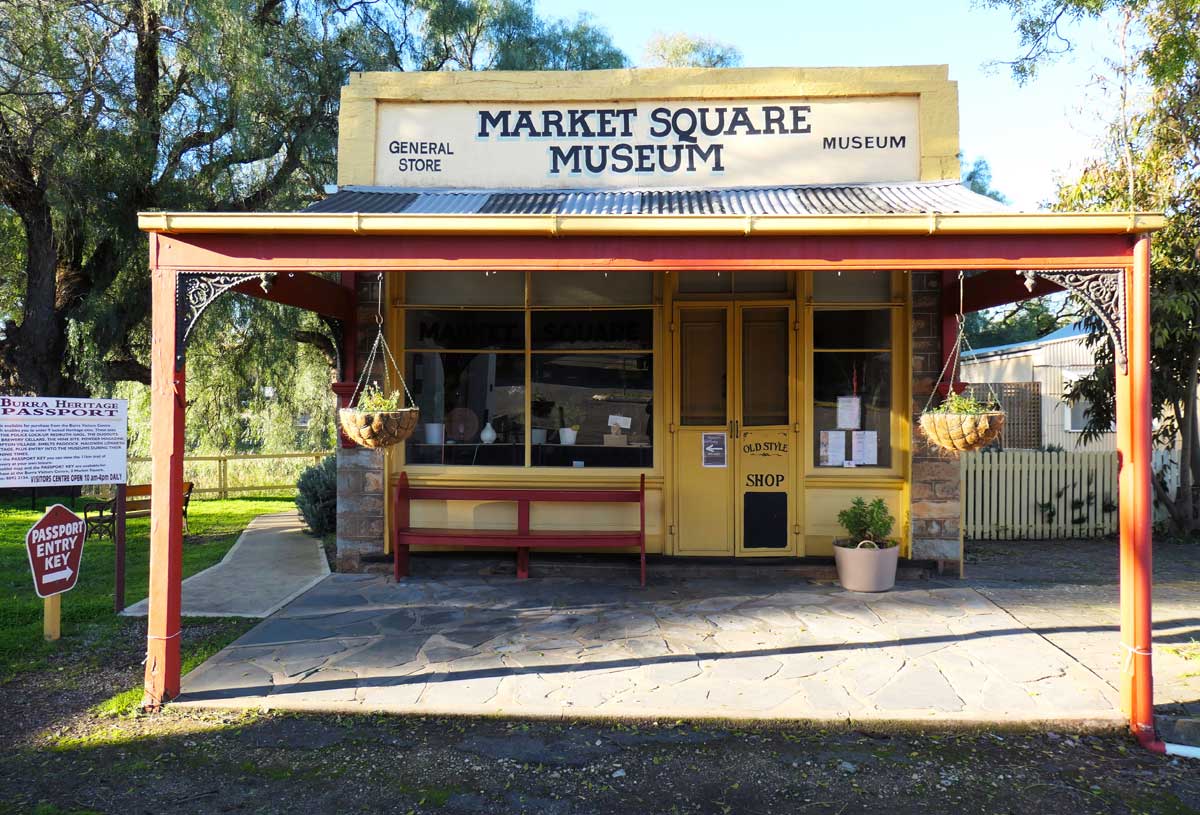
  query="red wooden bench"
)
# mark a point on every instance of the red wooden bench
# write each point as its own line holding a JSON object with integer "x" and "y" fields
{"x": 523, "y": 538}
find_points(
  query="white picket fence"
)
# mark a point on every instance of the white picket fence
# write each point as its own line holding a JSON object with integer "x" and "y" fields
{"x": 1028, "y": 494}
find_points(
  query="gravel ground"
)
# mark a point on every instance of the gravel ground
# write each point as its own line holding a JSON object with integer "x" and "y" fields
{"x": 60, "y": 757}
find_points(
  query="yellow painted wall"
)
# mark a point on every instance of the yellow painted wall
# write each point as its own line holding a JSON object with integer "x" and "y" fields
{"x": 821, "y": 493}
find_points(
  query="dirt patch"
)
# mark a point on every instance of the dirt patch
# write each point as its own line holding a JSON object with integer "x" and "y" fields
{"x": 273, "y": 763}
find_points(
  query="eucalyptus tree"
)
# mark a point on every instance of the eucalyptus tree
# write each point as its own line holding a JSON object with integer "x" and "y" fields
{"x": 1148, "y": 160}
{"x": 108, "y": 107}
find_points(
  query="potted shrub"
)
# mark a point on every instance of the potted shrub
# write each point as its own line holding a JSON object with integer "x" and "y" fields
{"x": 572, "y": 416}
{"x": 379, "y": 419}
{"x": 962, "y": 423}
{"x": 866, "y": 560}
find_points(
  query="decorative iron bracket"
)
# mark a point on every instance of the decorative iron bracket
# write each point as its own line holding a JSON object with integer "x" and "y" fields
{"x": 1104, "y": 292}
{"x": 195, "y": 291}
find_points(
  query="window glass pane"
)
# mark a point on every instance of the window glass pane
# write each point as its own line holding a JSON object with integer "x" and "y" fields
{"x": 574, "y": 396}
{"x": 578, "y": 330}
{"x": 591, "y": 288}
{"x": 702, "y": 367}
{"x": 705, "y": 282}
{"x": 465, "y": 288}
{"x": 852, "y": 287}
{"x": 459, "y": 395}
{"x": 765, "y": 369}
{"x": 852, "y": 329}
{"x": 852, "y": 410}
{"x": 476, "y": 330}
{"x": 773, "y": 282}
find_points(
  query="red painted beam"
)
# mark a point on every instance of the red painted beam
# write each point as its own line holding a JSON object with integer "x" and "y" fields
{"x": 306, "y": 291}
{"x": 252, "y": 253}
{"x": 999, "y": 287}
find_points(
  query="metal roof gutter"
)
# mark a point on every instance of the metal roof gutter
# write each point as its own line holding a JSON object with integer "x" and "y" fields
{"x": 932, "y": 223}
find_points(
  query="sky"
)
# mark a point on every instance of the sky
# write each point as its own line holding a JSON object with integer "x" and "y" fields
{"x": 1029, "y": 134}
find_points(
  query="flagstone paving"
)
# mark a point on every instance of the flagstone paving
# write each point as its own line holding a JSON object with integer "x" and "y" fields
{"x": 737, "y": 649}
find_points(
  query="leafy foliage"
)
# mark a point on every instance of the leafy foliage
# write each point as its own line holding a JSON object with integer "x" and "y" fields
{"x": 871, "y": 522}
{"x": 1021, "y": 322}
{"x": 679, "y": 50}
{"x": 977, "y": 177}
{"x": 1147, "y": 162}
{"x": 373, "y": 398}
{"x": 110, "y": 107}
{"x": 964, "y": 405}
{"x": 316, "y": 496}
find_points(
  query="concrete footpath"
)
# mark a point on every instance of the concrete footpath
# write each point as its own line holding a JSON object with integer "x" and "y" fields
{"x": 273, "y": 562}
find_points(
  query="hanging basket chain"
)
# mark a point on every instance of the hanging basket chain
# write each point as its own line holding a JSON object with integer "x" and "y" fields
{"x": 381, "y": 341}
{"x": 954, "y": 358}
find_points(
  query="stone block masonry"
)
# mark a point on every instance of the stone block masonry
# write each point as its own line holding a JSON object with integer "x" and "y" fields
{"x": 935, "y": 507}
{"x": 361, "y": 481}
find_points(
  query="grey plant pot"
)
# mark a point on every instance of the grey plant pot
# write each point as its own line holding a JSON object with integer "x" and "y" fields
{"x": 866, "y": 569}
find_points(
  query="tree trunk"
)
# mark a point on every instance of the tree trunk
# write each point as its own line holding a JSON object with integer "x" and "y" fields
{"x": 32, "y": 359}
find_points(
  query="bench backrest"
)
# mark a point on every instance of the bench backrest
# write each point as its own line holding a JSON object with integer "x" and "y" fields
{"x": 137, "y": 496}
{"x": 522, "y": 497}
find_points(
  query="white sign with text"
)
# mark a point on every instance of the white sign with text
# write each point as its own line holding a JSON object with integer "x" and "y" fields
{"x": 62, "y": 442}
{"x": 678, "y": 143}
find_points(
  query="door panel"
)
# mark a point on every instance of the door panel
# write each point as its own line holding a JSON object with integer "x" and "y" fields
{"x": 748, "y": 506}
{"x": 704, "y": 516}
{"x": 765, "y": 498}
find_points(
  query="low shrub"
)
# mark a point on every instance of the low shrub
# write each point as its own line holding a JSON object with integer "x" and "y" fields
{"x": 316, "y": 496}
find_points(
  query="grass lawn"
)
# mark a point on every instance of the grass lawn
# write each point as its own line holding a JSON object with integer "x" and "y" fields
{"x": 89, "y": 626}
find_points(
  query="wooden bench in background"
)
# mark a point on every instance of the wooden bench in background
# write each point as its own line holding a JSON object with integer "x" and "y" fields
{"x": 101, "y": 516}
{"x": 523, "y": 538}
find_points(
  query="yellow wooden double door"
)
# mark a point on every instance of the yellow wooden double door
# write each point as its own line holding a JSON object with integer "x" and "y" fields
{"x": 735, "y": 467}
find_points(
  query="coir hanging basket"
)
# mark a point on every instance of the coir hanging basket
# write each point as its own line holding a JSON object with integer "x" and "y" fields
{"x": 962, "y": 432}
{"x": 965, "y": 430}
{"x": 378, "y": 428}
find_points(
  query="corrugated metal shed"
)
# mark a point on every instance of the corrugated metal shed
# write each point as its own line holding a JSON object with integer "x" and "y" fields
{"x": 844, "y": 199}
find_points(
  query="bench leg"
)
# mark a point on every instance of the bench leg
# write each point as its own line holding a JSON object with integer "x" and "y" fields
{"x": 400, "y": 561}
{"x": 522, "y": 562}
{"x": 643, "y": 567}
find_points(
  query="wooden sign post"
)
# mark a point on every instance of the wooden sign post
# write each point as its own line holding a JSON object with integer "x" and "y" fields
{"x": 55, "y": 548}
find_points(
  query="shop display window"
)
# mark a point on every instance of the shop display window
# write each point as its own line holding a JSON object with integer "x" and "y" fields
{"x": 472, "y": 408}
{"x": 591, "y": 288}
{"x": 852, "y": 287}
{"x": 567, "y": 386}
{"x": 852, "y": 384}
{"x": 592, "y": 410}
{"x": 465, "y": 288}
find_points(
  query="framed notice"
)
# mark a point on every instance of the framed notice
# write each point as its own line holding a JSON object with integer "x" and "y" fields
{"x": 833, "y": 448}
{"x": 713, "y": 450}
{"x": 849, "y": 412}
{"x": 864, "y": 447}
{"x": 61, "y": 442}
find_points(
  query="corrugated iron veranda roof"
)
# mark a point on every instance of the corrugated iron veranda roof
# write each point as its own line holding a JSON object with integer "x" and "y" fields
{"x": 842, "y": 199}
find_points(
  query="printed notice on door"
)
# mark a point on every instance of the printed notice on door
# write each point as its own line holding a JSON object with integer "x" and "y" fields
{"x": 713, "y": 449}
{"x": 60, "y": 442}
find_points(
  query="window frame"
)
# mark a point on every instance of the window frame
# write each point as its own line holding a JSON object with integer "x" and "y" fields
{"x": 899, "y": 308}
{"x": 398, "y": 314}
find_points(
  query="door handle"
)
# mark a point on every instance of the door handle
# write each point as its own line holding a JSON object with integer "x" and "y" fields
{"x": 733, "y": 428}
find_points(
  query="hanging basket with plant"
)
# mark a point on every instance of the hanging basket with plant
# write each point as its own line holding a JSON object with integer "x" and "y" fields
{"x": 960, "y": 423}
{"x": 377, "y": 416}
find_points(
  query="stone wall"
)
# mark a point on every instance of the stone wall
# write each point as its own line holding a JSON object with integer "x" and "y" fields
{"x": 935, "y": 474}
{"x": 360, "y": 478}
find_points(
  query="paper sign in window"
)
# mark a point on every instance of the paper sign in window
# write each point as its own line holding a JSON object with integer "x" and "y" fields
{"x": 833, "y": 448}
{"x": 849, "y": 412}
{"x": 864, "y": 447}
